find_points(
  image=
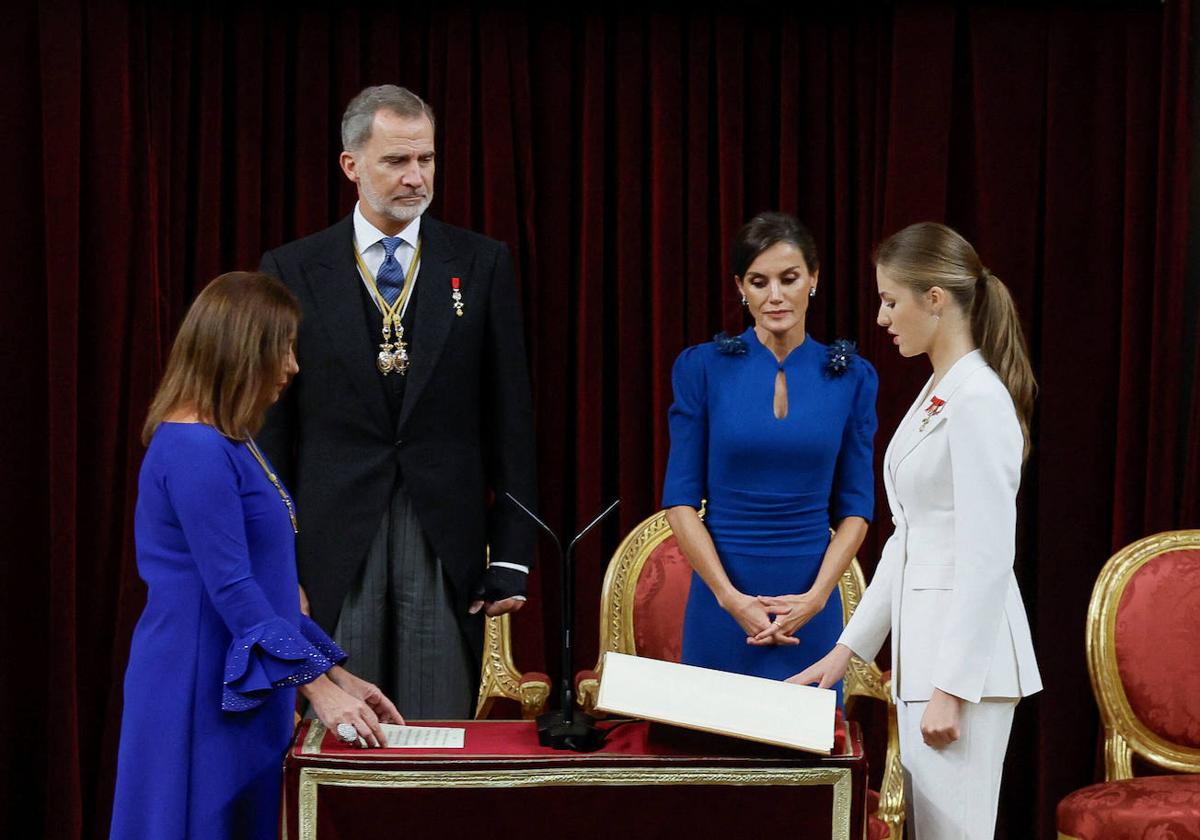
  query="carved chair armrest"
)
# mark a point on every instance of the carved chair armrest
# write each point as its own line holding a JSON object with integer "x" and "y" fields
{"x": 864, "y": 679}
{"x": 500, "y": 679}
{"x": 587, "y": 689}
{"x": 535, "y": 694}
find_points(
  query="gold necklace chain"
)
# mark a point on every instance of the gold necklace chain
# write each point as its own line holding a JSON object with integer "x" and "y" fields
{"x": 287, "y": 501}
{"x": 391, "y": 312}
{"x": 392, "y": 356}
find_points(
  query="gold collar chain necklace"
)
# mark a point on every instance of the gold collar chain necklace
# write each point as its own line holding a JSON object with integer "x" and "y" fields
{"x": 393, "y": 355}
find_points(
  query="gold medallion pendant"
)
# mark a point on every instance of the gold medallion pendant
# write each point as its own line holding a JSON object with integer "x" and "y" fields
{"x": 384, "y": 360}
{"x": 392, "y": 356}
{"x": 400, "y": 355}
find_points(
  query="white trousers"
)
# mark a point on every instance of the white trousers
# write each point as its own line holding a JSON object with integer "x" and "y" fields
{"x": 951, "y": 793}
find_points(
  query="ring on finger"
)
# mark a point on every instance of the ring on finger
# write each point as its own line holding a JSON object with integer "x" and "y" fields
{"x": 346, "y": 732}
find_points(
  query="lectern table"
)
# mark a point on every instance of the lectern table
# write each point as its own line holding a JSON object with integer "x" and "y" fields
{"x": 649, "y": 780}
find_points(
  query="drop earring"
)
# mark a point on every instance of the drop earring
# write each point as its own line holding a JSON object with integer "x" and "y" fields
{"x": 744, "y": 301}
{"x": 812, "y": 293}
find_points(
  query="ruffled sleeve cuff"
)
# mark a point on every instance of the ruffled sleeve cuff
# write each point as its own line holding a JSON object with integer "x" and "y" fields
{"x": 321, "y": 641}
{"x": 273, "y": 655}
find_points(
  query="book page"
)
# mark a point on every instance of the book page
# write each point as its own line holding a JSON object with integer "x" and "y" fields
{"x": 754, "y": 708}
{"x": 423, "y": 737}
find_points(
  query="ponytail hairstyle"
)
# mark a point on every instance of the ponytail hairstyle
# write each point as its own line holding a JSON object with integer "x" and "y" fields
{"x": 928, "y": 254}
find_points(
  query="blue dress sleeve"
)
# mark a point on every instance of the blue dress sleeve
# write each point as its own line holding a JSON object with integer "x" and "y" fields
{"x": 687, "y": 464}
{"x": 854, "y": 478}
{"x": 321, "y": 641}
{"x": 267, "y": 651}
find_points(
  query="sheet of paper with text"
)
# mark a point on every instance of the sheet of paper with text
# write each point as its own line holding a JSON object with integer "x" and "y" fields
{"x": 423, "y": 737}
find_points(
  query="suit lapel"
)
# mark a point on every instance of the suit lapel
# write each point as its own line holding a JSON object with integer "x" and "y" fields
{"x": 434, "y": 315}
{"x": 956, "y": 376}
{"x": 334, "y": 283}
{"x": 898, "y": 441}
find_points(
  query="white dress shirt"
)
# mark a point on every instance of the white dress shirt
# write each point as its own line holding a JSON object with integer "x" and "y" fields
{"x": 369, "y": 240}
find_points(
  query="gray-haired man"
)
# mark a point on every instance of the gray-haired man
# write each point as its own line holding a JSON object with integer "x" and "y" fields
{"x": 409, "y": 421}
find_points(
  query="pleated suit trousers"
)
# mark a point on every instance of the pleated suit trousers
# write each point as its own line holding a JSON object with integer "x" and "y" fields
{"x": 398, "y": 625}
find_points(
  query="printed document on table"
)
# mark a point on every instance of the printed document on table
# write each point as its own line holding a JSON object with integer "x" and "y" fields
{"x": 423, "y": 737}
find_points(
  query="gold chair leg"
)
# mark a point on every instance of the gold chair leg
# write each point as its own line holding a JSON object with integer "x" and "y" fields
{"x": 891, "y": 787}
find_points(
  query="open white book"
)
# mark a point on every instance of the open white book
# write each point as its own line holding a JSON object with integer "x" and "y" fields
{"x": 754, "y": 708}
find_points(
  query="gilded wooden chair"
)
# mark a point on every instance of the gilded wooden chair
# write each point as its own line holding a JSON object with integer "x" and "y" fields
{"x": 1143, "y": 622}
{"x": 641, "y": 613}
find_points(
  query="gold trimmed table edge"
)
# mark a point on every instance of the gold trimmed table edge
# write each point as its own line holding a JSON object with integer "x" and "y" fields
{"x": 311, "y": 779}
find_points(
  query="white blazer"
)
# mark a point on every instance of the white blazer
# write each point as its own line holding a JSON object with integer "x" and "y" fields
{"x": 945, "y": 586}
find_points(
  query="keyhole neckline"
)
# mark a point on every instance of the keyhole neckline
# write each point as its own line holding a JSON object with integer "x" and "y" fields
{"x": 795, "y": 352}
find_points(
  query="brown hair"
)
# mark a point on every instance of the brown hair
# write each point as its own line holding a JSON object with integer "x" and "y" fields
{"x": 231, "y": 347}
{"x": 927, "y": 254}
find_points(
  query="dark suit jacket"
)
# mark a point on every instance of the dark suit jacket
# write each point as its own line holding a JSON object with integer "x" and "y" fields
{"x": 465, "y": 428}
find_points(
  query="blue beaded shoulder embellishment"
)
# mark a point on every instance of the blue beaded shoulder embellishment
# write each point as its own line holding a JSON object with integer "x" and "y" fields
{"x": 838, "y": 356}
{"x": 730, "y": 345}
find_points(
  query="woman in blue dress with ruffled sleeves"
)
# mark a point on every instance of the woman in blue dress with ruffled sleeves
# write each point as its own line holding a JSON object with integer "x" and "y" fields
{"x": 774, "y": 432}
{"x": 222, "y": 646}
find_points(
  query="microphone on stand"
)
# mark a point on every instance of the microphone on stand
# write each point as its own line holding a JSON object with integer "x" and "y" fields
{"x": 564, "y": 729}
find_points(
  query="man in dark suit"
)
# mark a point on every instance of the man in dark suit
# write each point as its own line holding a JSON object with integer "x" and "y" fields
{"x": 408, "y": 423}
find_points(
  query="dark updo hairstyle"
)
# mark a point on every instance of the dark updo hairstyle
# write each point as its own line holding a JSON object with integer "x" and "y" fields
{"x": 765, "y": 230}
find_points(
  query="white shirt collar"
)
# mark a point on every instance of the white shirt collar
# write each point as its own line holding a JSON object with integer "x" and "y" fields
{"x": 368, "y": 236}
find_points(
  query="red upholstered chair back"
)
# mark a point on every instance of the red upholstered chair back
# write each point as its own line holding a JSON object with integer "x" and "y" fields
{"x": 659, "y": 600}
{"x": 1157, "y": 632}
{"x": 1143, "y": 626}
{"x": 642, "y": 601}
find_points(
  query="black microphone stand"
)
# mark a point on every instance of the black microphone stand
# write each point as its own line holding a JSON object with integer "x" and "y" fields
{"x": 564, "y": 729}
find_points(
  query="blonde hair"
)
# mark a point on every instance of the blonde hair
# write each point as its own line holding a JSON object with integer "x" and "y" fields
{"x": 229, "y": 351}
{"x": 928, "y": 254}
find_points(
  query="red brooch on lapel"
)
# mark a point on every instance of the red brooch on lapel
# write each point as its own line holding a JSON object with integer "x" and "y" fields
{"x": 932, "y": 410}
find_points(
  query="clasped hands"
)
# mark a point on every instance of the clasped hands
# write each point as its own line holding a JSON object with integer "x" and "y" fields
{"x": 773, "y": 619}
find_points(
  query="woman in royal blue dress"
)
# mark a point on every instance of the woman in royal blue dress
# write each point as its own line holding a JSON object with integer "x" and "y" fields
{"x": 775, "y": 431}
{"x": 222, "y": 646}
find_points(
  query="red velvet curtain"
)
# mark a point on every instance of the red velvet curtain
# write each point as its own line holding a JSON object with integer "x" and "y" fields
{"x": 148, "y": 148}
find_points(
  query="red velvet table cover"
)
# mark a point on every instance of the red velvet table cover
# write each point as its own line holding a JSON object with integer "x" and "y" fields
{"x": 648, "y": 780}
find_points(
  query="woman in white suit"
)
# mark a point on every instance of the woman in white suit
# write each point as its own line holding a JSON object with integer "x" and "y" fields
{"x": 945, "y": 589}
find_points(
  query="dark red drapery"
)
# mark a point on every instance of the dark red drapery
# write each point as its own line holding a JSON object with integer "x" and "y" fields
{"x": 148, "y": 148}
